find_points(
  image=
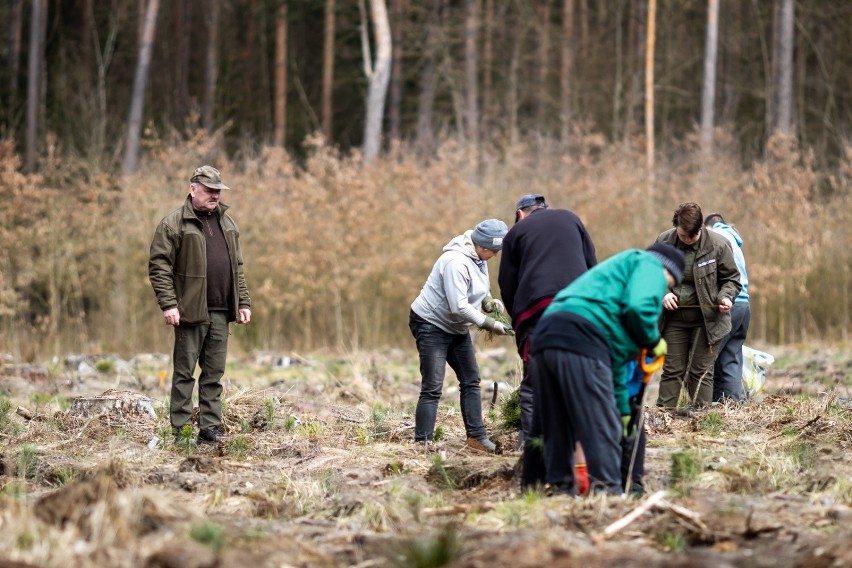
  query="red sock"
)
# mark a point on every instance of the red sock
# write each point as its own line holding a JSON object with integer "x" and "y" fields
{"x": 581, "y": 479}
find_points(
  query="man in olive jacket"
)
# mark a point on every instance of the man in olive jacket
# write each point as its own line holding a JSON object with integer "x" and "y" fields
{"x": 196, "y": 270}
{"x": 697, "y": 314}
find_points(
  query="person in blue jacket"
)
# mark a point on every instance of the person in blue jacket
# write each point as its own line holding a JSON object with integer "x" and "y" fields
{"x": 728, "y": 368}
{"x": 580, "y": 353}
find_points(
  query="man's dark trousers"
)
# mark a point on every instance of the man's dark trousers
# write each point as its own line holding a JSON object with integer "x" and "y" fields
{"x": 207, "y": 345}
{"x": 574, "y": 401}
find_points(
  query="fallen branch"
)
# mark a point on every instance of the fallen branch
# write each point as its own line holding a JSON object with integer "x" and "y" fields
{"x": 620, "y": 524}
{"x": 685, "y": 514}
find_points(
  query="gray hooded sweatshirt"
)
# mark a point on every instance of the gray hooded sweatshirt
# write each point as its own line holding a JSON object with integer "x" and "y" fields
{"x": 454, "y": 291}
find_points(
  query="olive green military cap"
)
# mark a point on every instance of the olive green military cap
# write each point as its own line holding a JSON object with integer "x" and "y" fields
{"x": 209, "y": 177}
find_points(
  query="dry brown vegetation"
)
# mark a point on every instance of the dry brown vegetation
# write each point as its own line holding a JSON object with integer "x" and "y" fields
{"x": 318, "y": 470}
{"x": 336, "y": 250}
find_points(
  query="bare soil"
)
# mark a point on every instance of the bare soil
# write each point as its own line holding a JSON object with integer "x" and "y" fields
{"x": 318, "y": 469}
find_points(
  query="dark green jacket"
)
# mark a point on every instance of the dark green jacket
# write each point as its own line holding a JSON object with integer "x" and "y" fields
{"x": 716, "y": 277}
{"x": 177, "y": 266}
{"x": 622, "y": 297}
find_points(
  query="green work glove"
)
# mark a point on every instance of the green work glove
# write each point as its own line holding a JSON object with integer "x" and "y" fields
{"x": 660, "y": 349}
{"x": 625, "y": 420}
{"x": 493, "y": 306}
{"x": 499, "y": 328}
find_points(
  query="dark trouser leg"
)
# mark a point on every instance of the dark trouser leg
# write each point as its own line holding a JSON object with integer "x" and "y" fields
{"x": 533, "y": 468}
{"x": 578, "y": 404}
{"x": 214, "y": 354}
{"x": 432, "y": 346}
{"x": 527, "y": 387}
{"x": 689, "y": 360}
{"x": 728, "y": 369}
{"x": 527, "y": 396}
{"x": 188, "y": 342}
{"x": 462, "y": 359}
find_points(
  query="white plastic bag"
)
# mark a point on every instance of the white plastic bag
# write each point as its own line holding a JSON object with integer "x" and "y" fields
{"x": 754, "y": 370}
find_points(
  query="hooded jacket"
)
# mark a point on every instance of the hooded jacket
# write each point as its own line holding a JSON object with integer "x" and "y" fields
{"x": 736, "y": 247}
{"x": 177, "y": 265}
{"x": 454, "y": 291}
{"x": 716, "y": 277}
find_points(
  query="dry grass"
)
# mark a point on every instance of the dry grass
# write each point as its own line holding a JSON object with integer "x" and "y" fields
{"x": 336, "y": 251}
{"x": 310, "y": 475}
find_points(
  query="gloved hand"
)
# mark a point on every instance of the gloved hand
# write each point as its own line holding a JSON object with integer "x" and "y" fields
{"x": 661, "y": 348}
{"x": 495, "y": 326}
{"x": 625, "y": 420}
{"x": 493, "y": 306}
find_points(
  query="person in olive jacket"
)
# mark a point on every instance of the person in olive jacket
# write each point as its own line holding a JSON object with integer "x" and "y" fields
{"x": 697, "y": 315}
{"x": 196, "y": 270}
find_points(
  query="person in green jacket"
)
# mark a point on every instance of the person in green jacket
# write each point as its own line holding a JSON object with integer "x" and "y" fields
{"x": 196, "y": 270}
{"x": 581, "y": 349}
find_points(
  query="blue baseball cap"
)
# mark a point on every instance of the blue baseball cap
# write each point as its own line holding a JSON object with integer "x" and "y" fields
{"x": 531, "y": 199}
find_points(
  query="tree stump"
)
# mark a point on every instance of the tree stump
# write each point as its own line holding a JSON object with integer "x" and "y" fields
{"x": 122, "y": 403}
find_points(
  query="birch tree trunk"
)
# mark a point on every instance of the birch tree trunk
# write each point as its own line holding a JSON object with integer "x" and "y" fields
{"x": 281, "y": 75}
{"x": 708, "y": 94}
{"x": 379, "y": 77}
{"x": 140, "y": 81}
{"x": 649, "y": 91}
{"x": 328, "y": 70}
{"x": 783, "y": 123}
{"x": 211, "y": 69}
{"x": 36, "y": 59}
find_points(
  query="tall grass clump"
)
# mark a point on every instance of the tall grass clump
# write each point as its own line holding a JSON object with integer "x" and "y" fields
{"x": 73, "y": 273}
{"x": 685, "y": 467}
{"x": 430, "y": 551}
{"x": 5, "y": 413}
{"x": 510, "y": 410}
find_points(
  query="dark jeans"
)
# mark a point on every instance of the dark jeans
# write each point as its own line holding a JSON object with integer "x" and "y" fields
{"x": 437, "y": 348}
{"x": 689, "y": 361}
{"x": 526, "y": 390}
{"x": 574, "y": 401}
{"x": 207, "y": 346}
{"x": 728, "y": 370}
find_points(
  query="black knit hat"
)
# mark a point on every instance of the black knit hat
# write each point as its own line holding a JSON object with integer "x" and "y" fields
{"x": 671, "y": 258}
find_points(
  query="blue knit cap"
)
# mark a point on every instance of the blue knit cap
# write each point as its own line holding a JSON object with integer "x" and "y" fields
{"x": 489, "y": 234}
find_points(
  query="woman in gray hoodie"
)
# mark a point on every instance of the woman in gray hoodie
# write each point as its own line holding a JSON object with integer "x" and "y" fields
{"x": 440, "y": 320}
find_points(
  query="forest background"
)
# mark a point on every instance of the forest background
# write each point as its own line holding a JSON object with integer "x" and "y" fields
{"x": 360, "y": 136}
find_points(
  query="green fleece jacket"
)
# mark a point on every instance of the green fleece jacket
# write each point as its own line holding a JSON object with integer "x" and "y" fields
{"x": 716, "y": 277}
{"x": 177, "y": 266}
{"x": 623, "y": 298}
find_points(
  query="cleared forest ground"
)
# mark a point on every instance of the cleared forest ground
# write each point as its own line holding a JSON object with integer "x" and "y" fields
{"x": 318, "y": 470}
